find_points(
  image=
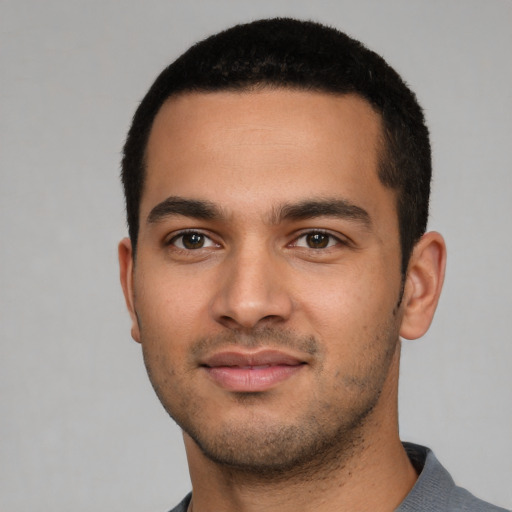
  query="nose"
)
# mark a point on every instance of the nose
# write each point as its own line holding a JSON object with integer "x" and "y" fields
{"x": 253, "y": 291}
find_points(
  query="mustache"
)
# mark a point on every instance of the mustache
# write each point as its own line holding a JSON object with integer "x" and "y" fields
{"x": 263, "y": 337}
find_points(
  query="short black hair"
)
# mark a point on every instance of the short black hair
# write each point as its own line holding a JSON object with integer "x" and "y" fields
{"x": 308, "y": 56}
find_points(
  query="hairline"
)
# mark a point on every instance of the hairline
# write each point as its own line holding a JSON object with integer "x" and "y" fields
{"x": 382, "y": 148}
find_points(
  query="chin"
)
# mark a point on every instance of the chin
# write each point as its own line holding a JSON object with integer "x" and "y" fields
{"x": 272, "y": 449}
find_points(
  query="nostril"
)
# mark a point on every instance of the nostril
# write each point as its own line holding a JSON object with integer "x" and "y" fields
{"x": 271, "y": 318}
{"x": 249, "y": 324}
{"x": 229, "y": 322}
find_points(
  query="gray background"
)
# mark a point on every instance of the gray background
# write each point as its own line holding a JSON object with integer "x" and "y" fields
{"x": 80, "y": 428}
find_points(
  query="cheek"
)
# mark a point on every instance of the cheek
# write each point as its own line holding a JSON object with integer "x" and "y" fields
{"x": 343, "y": 297}
{"x": 347, "y": 310}
{"x": 164, "y": 294}
{"x": 172, "y": 312}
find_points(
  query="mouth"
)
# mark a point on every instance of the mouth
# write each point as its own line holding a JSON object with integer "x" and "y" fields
{"x": 251, "y": 372}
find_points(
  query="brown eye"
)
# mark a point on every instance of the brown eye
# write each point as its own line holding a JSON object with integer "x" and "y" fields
{"x": 192, "y": 240}
{"x": 317, "y": 240}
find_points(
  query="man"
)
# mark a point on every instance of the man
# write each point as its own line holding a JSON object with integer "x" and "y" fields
{"x": 277, "y": 181}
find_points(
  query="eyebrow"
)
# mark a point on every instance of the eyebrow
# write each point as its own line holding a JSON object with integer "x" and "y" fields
{"x": 310, "y": 209}
{"x": 307, "y": 209}
{"x": 197, "y": 209}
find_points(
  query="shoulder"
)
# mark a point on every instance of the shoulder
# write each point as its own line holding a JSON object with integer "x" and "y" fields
{"x": 183, "y": 506}
{"x": 435, "y": 489}
{"x": 463, "y": 501}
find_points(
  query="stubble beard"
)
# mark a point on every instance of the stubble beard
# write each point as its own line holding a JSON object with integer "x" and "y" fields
{"x": 283, "y": 451}
{"x": 319, "y": 440}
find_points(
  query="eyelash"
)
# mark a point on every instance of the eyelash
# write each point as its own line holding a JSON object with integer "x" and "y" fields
{"x": 172, "y": 241}
{"x": 332, "y": 240}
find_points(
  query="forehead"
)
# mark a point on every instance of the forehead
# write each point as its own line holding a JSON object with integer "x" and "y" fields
{"x": 241, "y": 148}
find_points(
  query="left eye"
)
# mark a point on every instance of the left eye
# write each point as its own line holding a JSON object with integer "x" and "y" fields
{"x": 316, "y": 240}
{"x": 192, "y": 240}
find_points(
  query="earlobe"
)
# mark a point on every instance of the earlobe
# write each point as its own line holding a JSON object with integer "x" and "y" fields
{"x": 423, "y": 286}
{"x": 125, "y": 253}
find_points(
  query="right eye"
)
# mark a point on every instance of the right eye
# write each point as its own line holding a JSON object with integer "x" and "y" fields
{"x": 192, "y": 240}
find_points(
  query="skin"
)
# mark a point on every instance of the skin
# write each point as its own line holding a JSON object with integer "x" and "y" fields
{"x": 262, "y": 270}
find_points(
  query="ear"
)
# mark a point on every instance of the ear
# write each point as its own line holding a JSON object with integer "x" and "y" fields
{"x": 126, "y": 274}
{"x": 423, "y": 285}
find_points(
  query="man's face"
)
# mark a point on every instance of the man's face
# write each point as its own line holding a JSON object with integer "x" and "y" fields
{"x": 267, "y": 275}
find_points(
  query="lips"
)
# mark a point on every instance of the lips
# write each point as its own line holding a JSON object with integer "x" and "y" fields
{"x": 251, "y": 372}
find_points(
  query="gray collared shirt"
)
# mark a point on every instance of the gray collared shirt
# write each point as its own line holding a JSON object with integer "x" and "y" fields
{"x": 435, "y": 490}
